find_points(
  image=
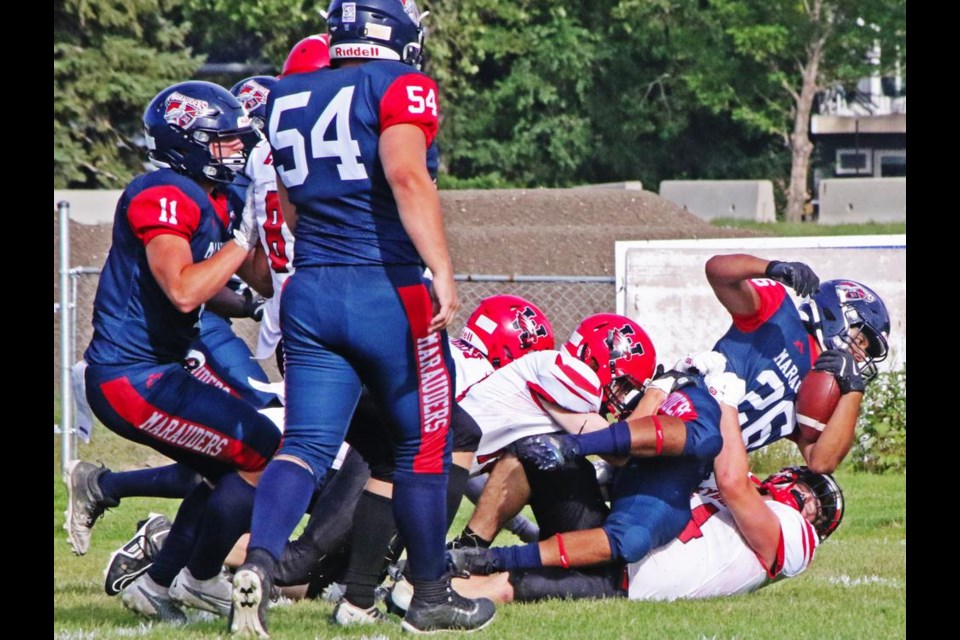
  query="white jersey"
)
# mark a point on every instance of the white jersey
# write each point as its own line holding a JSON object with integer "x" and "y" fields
{"x": 276, "y": 237}
{"x": 471, "y": 366}
{"x": 710, "y": 558}
{"x": 506, "y": 404}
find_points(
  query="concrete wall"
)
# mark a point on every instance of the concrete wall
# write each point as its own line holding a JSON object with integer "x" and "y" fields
{"x": 708, "y": 199}
{"x": 852, "y": 200}
{"x": 661, "y": 284}
{"x": 89, "y": 206}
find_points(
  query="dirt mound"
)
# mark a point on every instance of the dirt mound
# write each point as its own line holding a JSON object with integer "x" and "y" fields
{"x": 559, "y": 231}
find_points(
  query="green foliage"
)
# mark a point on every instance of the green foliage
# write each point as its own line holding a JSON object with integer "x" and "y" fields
{"x": 251, "y": 31}
{"x": 110, "y": 57}
{"x": 881, "y": 443}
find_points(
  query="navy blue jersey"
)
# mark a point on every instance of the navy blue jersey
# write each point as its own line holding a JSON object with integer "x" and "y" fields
{"x": 133, "y": 320}
{"x": 324, "y": 128}
{"x": 772, "y": 352}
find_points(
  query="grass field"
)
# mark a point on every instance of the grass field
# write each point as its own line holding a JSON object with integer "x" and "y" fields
{"x": 810, "y": 229}
{"x": 856, "y": 587}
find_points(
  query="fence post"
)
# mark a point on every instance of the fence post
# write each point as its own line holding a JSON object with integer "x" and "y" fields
{"x": 67, "y": 429}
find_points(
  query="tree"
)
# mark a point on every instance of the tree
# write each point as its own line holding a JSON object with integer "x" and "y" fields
{"x": 110, "y": 57}
{"x": 771, "y": 59}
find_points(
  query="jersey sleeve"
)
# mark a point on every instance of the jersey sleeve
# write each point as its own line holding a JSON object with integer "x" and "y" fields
{"x": 411, "y": 99}
{"x": 798, "y": 542}
{"x": 569, "y": 383}
{"x": 772, "y": 294}
{"x": 163, "y": 210}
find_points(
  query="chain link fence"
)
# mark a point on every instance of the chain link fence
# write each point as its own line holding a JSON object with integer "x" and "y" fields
{"x": 565, "y": 299}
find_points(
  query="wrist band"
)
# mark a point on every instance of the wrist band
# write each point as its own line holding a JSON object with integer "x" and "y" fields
{"x": 564, "y": 559}
{"x": 658, "y": 429}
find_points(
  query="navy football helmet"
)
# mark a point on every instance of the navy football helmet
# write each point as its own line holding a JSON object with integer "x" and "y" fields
{"x": 185, "y": 120}
{"x": 842, "y": 309}
{"x": 782, "y": 487}
{"x": 252, "y": 93}
{"x": 376, "y": 29}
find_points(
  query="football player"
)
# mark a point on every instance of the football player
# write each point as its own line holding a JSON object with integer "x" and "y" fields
{"x": 840, "y": 327}
{"x": 350, "y": 150}
{"x": 611, "y": 358}
{"x": 734, "y": 521}
{"x": 172, "y": 251}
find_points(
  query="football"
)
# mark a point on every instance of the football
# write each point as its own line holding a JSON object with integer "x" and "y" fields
{"x": 817, "y": 397}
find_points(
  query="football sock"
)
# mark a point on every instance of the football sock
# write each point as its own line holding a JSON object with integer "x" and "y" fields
{"x": 178, "y": 546}
{"x": 615, "y": 440}
{"x": 282, "y": 497}
{"x": 525, "y": 556}
{"x": 419, "y": 508}
{"x": 169, "y": 481}
{"x": 373, "y": 528}
{"x": 456, "y": 485}
{"x": 227, "y": 517}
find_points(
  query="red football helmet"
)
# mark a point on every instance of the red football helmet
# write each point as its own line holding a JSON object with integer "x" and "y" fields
{"x": 621, "y": 353}
{"x": 310, "y": 54}
{"x": 505, "y": 327}
{"x": 829, "y": 506}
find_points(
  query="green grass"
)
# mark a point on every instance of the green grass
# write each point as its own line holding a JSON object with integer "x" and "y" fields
{"x": 813, "y": 229}
{"x": 856, "y": 587}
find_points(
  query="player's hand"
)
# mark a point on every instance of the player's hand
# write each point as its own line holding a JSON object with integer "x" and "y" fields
{"x": 702, "y": 362}
{"x": 844, "y": 368}
{"x": 726, "y": 387}
{"x": 668, "y": 381}
{"x": 443, "y": 292}
{"x": 245, "y": 234}
{"x": 253, "y": 304}
{"x": 797, "y": 275}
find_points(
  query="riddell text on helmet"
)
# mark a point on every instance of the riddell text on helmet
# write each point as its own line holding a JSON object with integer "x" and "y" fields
{"x": 362, "y": 51}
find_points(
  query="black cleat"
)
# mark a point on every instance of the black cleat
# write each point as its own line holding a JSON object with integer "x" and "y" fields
{"x": 454, "y": 613}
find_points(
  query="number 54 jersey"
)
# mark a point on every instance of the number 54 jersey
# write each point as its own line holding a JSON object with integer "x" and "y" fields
{"x": 324, "y": 128}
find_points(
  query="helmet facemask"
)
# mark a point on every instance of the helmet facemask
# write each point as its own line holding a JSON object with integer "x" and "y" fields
{"x": 786, "y": 486}
{"x": 855, "y": 326}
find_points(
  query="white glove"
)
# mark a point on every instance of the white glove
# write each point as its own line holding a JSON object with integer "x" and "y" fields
{"x": 246, "y": 235}
{"x": 726, "y": 388}
{"x": 703, "y": 362}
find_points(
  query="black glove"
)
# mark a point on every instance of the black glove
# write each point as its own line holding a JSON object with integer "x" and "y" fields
{"x": 844, "y": 368}
{"x": 253, "y": 304}
{"x": 797, "y": 275}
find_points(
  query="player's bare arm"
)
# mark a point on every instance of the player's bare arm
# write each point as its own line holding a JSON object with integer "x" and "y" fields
{"x": 255, "y": 271}
{"x": 289, "y": 209}
{"x": 573, "y": 422}
{"x": 403, "y": 152}
{"x": 188, "y": 284}
{"x": 835, "y": 441}
{"x": 758, "y": 524}
{"x": 728, "y": 276}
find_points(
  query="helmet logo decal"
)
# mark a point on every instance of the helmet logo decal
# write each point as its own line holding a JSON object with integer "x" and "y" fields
{"x": 349, "y": 12}
{"x": 252, "y": 94}
{"x": 527, "y": 326}
{"x": 848, "y": 291}
{"x": 621, "y": 345}
{"x": 183, "y": 111}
